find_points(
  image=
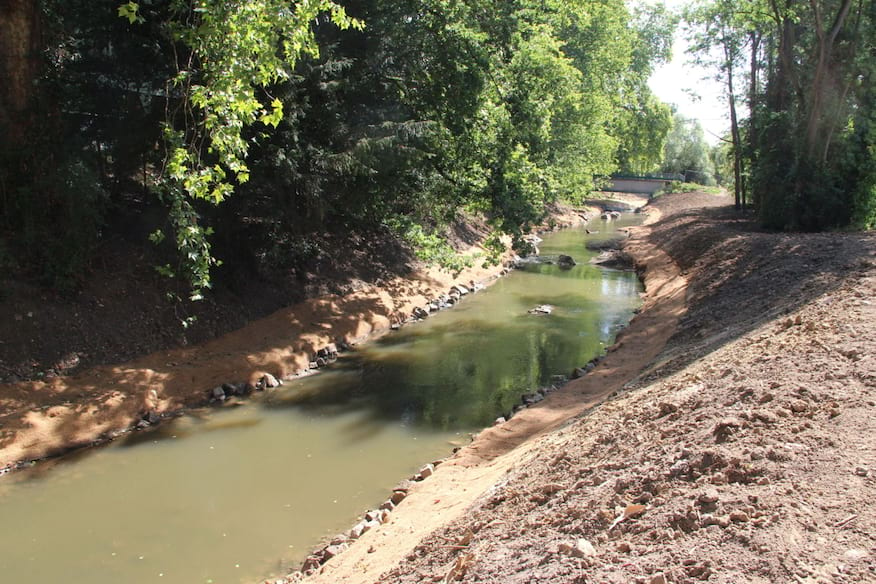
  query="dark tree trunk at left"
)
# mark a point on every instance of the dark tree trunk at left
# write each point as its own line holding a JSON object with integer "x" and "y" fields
{"x": 20, "y": 65}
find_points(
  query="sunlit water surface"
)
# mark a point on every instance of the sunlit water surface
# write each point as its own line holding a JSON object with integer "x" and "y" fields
{"x": 240, "y": 494}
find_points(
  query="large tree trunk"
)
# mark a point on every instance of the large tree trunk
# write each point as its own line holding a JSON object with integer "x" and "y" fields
{"x": 755, "y": 40}
{"x": 734, "y": 130}
{"x": 20, "y": 65}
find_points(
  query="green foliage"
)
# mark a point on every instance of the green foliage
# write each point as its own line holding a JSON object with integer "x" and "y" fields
{"x": 808, "y": 146}
{"x": 687, "y": 152}
{"x": 318, "y": 124}
{"x": 686, "y": 187}
{"x": 59, "y": 217}
{"x": 234, "y": 49}
{"x": 431, "y": 248}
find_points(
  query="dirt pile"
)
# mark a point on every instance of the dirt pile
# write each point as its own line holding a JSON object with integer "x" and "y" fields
{"x": 746, "y": 452}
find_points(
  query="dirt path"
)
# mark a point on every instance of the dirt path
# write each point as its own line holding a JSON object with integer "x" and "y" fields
{"x": 745, "y": 451}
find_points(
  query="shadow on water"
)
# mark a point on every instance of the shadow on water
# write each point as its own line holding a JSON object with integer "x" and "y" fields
{"x": 177, "y": 499}
{"x": 460, "y": 372}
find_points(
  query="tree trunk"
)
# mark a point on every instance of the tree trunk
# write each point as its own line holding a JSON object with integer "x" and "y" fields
{"x": 20, "y": 65}
{"x": 755, "y": 40}
{"x": 734, "y": 130}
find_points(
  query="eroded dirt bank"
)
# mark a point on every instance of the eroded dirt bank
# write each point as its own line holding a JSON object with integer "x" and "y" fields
{"x": 737, "y": 446}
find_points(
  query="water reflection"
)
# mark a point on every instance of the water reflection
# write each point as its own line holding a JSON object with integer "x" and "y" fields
{"x": 238, "y": 494}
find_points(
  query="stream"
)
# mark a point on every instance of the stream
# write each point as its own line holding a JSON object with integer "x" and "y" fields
{"x": 239, "y": 494}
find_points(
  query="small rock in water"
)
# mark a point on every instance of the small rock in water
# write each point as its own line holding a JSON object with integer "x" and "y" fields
{"x": 542, "y": 309}
{"x": 269, "y": 381}
{"x": 532, "y": 398}
{"x": 566, "y": 262}
{"x": 218, "y": 393}
{"x": 426, "y": 471}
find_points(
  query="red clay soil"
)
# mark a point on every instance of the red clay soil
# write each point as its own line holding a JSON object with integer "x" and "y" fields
{"x": 741, "y": 449}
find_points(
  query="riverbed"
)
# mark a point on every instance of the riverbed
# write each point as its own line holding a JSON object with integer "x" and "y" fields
{"x": 239, "y": 494}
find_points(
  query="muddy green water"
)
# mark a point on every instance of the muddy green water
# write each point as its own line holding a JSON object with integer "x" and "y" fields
{"x": 240, "y": 494}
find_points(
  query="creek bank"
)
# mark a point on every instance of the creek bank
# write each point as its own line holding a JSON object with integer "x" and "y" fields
{"x": 47, "y": 418}
{"x": 744, "y": 451}
{"x": 478, "y": 467}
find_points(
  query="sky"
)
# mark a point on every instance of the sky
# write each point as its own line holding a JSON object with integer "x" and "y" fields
{"x": 691, "y": 88}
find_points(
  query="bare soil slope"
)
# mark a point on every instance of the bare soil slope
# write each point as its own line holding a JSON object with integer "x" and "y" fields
{"x": 745, "y": 451}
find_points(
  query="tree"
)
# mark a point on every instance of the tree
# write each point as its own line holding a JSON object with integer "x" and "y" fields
{"x": 810, "y": 82}
{"x": 716, "y": 25}
{"x": 687, "y": 152}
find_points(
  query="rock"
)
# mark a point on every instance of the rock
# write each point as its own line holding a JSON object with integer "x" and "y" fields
{"x": 384, "y": 515}
{"x": 218, "y": 393}
{"x": 321, "y": 362}
{"x": 666, "y": 408}
{"x": 578, "y": 372}
{"x": 499, "y": 421}
{"x": 460, "y": 289}
{"x": 421, "y": 313}
{"x": 143, "y": 424}
{"x": 403, "y": 486}
{"x": 334, "y": 550}
{"x": 623, "y": 547}
{"x": 798, "y": 406}
{"x": 339, "y": 539}
{"x": 372, "y": 515}
{"x": 152, "y": 417}
{"x": 357, "y": 530}
{"x": 311, "y": 563}
{"x": 860, "y": 471}
{"x": 269, "y": 381}
{"x": 580, "y": 549}
{"x": 313, "y": 365}
{"x": 765, "y": 416}
{"x": 739, "y": 516}
{"x": 658, "y": 578}
{"x": 388, "y": 504}
{"x": 542, "y": 309}
{"x": 707, "y": 519}
{"x": 725, "y": 428}
{"x": 397, "y": 497}
{"x": 566, "y": 262}
{"x": 583, "y": 548}
{"x": 426, "y": 471}
{"x": 530, "y": 399}
{"x": 708, "y": 497}
{"x": 369, "y": 525}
